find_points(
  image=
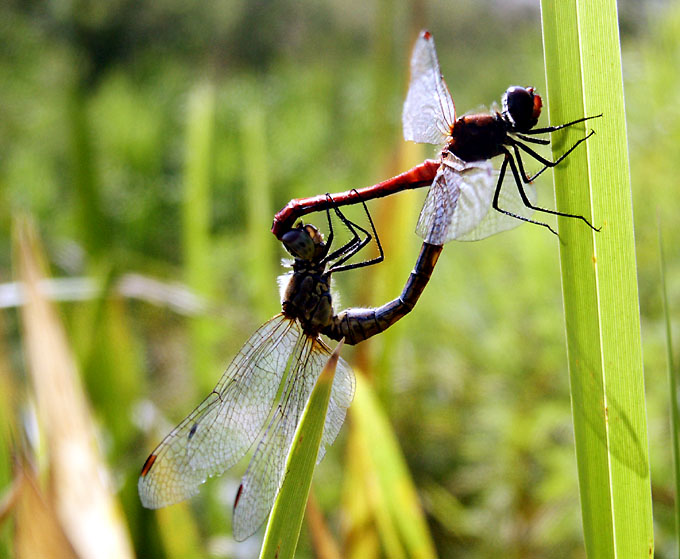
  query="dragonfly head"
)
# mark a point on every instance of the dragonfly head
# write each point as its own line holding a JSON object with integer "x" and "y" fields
{"x": 304, "y": 242}
{"x": 521, "y": 107}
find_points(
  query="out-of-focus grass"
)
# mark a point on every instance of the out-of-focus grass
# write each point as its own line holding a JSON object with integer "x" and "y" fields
{"x": 197, "y": 244}
{"x": 385, "y": 482}
{"x": 78, "y": 489}
{"x": 475, "y": 377}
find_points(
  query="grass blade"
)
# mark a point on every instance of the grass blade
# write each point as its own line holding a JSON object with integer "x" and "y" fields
{"x": 583, "y": 71}
{"x": 360, "y": 538}
{"x": 38, "y": 532}
{"x": 285, "y": 521}
{"x": 79, "y": 480}
{"x": 673, "y": 390}
{"x": 260, "y": 249}
{"x": 323, "y": 543}
{"x": 197, "y": 242}
{"x": 400, "y": 513}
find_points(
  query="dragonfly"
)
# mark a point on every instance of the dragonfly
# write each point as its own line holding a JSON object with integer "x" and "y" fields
{"x": 468, "y": 198}
{"x": 260, "y": 398}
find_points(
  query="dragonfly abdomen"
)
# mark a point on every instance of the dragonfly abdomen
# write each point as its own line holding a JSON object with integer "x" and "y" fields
{"x": 357, "y": 325}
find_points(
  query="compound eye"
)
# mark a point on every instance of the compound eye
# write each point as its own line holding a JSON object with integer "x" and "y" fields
{"x": 302, "y": 241}
{"x": 521, "y": 107}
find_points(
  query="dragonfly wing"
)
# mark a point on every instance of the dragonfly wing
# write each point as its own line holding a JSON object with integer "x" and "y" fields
{"x": 428, "y": 111}
{"x": 459, "y": 198}
{"x": 342, "y": 394}
{"x": 439, "y": 205}
{"x": 264, "y": 475}
{"x": 509, "y": 200}
{"x": 225, "y": 425}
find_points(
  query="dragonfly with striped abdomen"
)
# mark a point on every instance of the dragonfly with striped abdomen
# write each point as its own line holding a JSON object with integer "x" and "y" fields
{"x": 264, "y": 390}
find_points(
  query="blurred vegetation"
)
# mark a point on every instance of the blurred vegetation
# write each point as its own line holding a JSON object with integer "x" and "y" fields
{"x": 158, "y": 138}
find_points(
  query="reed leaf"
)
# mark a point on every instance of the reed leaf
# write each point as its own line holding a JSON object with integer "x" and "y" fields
{"x": 599, "y": 282}
{"x": 285, "y": 521}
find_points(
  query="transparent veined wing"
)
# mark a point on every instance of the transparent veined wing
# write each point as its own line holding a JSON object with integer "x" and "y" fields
{"x": 457, "y": 201}
{"x": 428, "y": 110}
{"x": 266, "y": 470}
{"x": 440, "y": 203}
{"x": 509, "y": 200}
{"x": 219, "y": 432}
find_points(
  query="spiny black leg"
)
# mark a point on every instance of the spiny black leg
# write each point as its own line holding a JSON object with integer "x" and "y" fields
{"x": 526, "y": 179}
{"x": 540, "y": 141}
{"x": 560, "y": 126}
{"x": 350, "y": 246}
{"x": 329, "y": 241}
{"x": 525, "y": 176}
{"x": 337, "y": 267}
{"x": 349, "y": 249}
{"x": 546, "y": 162}
{"x": 381, "y": 255}
{"x": 354, "y": 245}
{"x": 528, "y": 203}
{"x": 497, "y": 193}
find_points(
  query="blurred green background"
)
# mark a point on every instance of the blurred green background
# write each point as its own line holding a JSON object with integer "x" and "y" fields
{"x": 152, "y": 142}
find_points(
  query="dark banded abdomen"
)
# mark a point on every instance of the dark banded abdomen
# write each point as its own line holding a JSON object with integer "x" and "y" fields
{"x": 357, "y": 325}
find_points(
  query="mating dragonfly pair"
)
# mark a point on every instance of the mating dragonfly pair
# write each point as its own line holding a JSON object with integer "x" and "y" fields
{"x": 262, "y": 394}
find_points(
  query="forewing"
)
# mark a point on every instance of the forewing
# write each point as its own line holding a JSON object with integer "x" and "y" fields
{"x": 440, "y": 203}
{"x": 224, "y": 426}
{"x": 509, "y": 199}
{"x": 264, "y": 475}
{"x": 457, "y": 201}
{"x": 428, "y": 111}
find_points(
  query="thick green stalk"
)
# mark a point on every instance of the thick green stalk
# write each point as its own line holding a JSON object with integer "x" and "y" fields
{"x": 583, "y": 71}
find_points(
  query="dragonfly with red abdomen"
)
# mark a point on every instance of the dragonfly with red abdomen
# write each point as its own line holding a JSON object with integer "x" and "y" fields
{"x": 468, "y": 198}
{"x": 264, "y": 390}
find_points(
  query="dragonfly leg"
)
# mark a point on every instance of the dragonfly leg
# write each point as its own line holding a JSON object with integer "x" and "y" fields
{"x": 508, "y": 160}
{"x": 329, "y": 241}
{"x": 546, "y": 162}
{"x": 526, "y": 200}
{"x": 559, "y": 126}
{"x": 351, "y": 247}
{"x": 338, "y": 265}
{"x": 540, "y": 141}
{"x": 357, "y": 325}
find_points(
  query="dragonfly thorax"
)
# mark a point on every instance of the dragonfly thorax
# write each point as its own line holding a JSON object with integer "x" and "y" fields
{"x": 477, "y": 137}
{"x": 308, "y": 297}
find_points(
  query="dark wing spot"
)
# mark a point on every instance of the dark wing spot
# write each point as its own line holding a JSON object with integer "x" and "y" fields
{"x": 147, "y": 465}
{"x": 238, "y": 495}
{"x": 192, "y": 431}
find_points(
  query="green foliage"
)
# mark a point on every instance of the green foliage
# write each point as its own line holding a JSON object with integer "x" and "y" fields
{"x": 285, "y": 521}
{"x": 399, "y": 518}
{"x": 599, "y": 281}
{"x": 673, "y": 390}
{"x": 97, "y": 137}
